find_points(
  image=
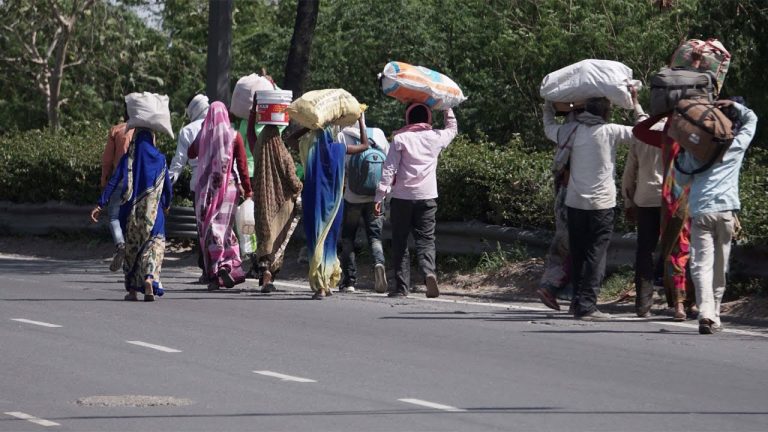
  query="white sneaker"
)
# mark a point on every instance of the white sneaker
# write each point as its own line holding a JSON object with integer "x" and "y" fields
{"x": 380, "y": 278}
{"x": 347, "y": 289}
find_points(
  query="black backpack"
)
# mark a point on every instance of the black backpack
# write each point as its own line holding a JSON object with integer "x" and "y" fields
{"x": 670, "y": 85}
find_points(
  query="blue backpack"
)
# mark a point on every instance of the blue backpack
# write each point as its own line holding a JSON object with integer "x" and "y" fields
{"x": 364, "y": 169}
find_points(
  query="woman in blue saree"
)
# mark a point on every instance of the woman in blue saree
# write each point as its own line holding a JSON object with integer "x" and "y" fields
{"x": 322, "y": 204}
{"x": 145, "y": 199}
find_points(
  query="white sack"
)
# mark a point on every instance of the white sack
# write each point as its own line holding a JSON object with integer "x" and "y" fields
{"x": 149, "y": 110}
{"x": 589, "y": 79}
{"x": 242, "y": 95}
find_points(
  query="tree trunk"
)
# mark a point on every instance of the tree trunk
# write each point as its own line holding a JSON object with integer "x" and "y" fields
{"x": 57, "y": 74}
{"x": 297, "y": 65}
{"x": 219, "y": 45}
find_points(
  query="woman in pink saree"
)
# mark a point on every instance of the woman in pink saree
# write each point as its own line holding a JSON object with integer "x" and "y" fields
{"x": 219, "y": 150}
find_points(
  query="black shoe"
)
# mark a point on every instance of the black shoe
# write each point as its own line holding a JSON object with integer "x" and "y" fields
{"x": 705, "y": 326}
{"x": 226, "y": 277}
{"x": 397, "y": 294}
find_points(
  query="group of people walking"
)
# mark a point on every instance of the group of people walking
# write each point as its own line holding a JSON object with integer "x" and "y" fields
{"x": 693, "y": 218}
{"x": 236, "y": 159}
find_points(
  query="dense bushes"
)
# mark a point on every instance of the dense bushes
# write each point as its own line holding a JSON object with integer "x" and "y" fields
{"x": 503, "y": 185}
{"x": 478, "y": 180}
{"x": 40, "y": 165}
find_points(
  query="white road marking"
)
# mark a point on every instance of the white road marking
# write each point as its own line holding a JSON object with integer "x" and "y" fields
{"x": 33, "y": 419}
{"x": 153, "y": 346}
{"x": 39, "y": 323}
{"x": 496, "y": 305}
{"x": 291, "y": 285}
{"x": 539, "y": 309}
{"x": 284, "y": 377}
{"x": 725, "y": 330}
{"x": 432, "y": 405}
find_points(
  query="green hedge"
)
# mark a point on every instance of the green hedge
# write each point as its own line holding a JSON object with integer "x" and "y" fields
{"x": 478, "y": 180}
{"x": 511, "y": 185}
{"x": 43, "y": 165}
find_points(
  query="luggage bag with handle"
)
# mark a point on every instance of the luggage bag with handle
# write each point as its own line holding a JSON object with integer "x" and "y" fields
{"x": 702, "y": 130}
{"x": 670, "y": 85}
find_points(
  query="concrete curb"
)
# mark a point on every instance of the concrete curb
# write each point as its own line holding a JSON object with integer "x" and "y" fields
{"x": 452, "y": 237}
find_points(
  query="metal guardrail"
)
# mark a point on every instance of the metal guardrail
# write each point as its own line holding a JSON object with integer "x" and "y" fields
{"x": 181, "y": 223}
{"x": 452, "y": 237}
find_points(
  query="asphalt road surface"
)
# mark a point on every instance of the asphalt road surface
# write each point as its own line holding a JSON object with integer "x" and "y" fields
{"x": 75, "y": 357}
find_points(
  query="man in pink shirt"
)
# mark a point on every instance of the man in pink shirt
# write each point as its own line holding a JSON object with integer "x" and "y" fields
{"x": 409, "y": 176}
{"x": 117, "y": 145}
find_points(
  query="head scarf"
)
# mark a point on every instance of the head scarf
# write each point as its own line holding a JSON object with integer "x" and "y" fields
{"x": 198, "y": 107}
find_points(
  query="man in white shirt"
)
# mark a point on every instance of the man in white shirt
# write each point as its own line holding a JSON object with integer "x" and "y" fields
{"x": 591, "y": 196}
{"x": 197, "y": 108}
{"x": 362, "y": 205}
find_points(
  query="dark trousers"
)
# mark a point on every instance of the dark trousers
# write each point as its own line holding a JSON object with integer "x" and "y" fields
{"x": 372, "y": 224}
{"x": 415, "y": 217}
{"x": 648, "y": 230}
{"x": 589, "y": 233}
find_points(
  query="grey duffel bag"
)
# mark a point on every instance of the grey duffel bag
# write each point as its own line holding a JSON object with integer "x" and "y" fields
{"x": 670, "y": 85}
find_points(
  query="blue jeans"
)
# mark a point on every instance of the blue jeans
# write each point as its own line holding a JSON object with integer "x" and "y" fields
{"x": 373, "y": 225}
{"x": 113, "y": 211}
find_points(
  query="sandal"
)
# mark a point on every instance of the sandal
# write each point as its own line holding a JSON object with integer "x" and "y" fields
{"x": 679, "y": 313}
{"x": 319, "y": 295}
{"x": 149, "y": 291}
{"x": 548, "y": 299}
{"x": 226, "y": 278}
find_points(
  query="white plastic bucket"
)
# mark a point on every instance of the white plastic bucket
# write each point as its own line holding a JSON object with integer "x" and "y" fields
{"x": 271, "y": 106}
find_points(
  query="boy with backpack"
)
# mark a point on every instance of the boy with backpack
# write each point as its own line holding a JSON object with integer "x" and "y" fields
{"x": 363, "y": 175}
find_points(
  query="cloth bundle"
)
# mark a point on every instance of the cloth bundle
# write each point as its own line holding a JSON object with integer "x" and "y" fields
{"x": 590, "y": 79}
{"x": 149, "y": 110}
{"x": 242, "y": 95}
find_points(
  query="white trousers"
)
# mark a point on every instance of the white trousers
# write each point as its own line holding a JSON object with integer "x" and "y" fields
{"x": 711, "y": 236}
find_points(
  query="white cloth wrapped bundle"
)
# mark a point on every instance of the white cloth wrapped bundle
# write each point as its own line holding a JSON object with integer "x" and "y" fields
{"x": 589, "y": 79}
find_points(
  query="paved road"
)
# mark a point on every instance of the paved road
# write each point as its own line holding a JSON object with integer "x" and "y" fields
{"x": 352, "y": 362}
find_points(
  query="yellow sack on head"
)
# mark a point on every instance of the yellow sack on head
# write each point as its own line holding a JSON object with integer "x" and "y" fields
{"x": 320, "y": 108}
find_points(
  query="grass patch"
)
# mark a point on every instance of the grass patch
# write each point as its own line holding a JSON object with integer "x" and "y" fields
{"x": 493, "y": 261}
{"x": 617, "y": 283}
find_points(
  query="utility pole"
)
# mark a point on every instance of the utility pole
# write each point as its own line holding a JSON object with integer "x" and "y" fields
{"x": 219, "y": 46}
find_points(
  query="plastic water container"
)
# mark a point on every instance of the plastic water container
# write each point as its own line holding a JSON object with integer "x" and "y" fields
{"x": 271, "y": 106}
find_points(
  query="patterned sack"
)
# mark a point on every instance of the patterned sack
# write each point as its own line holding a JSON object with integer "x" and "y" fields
{"x": 408, "y": 83}
{"x": 715, "y": 59}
